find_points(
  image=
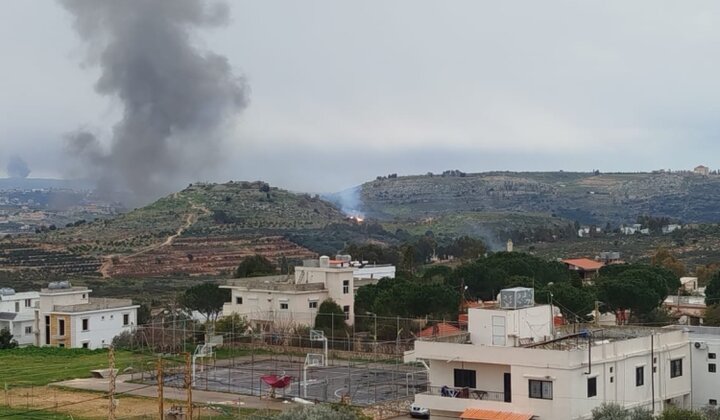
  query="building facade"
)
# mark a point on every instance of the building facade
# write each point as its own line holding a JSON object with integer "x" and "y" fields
{"x": 17, "y": 315}
{"x": 288, "y": 300}
{"x": 513, "y": 362}
{"x": 69, "y": 317}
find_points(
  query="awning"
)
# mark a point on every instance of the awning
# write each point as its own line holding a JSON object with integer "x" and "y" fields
{"x": 480, "y": 414}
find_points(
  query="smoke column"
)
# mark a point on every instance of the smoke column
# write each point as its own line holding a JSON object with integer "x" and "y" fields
{"x": 177, "y": 98}
{"x": 17, "y": 167}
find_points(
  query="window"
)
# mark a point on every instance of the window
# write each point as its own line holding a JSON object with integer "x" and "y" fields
{"x": 28, "y": 303}
{"x": 712, "y": 402}
{"x": 591, "y": 387}
{"x": 711, "y": 355}
{"x": 346, "y": 309}
{"x": 83, "y": 296}
{"x": 28, "y": 330}
{"x": 102, "y": 318}
{"x": 346, "y": 287}
{"x": 17, "y": 306}
{"x": 61, "y": 345}
{"x": 85, "y": 324}
{"x": 640, "y": 376}
{"x": 712, "y": 368}
{"x": 465, "y": 378}
{"x": 238, "y": 300}
{"x": 612, "y": 379}
{"x": 312, "y": 304}
{"x": 611, "y": 369}
{"x": 675, "y": 368}
{"x": 541, "y": 389}
{"x": 61, "y": 327}
{"x": 112, "y": 316}
{"x": 126, "y": 319}
{"x": 284, "y": 305}
{"x": 86, "y": 345}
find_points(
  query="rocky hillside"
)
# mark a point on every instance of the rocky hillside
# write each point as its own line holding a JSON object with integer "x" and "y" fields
{"x": 205, "y": 229}
{"x": 584, "y": 197}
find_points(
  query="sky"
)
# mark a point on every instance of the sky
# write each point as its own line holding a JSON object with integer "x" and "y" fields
{"x": 341, "y": 92}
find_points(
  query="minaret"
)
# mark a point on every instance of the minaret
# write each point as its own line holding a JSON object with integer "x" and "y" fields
{"x": 509, "y": 245}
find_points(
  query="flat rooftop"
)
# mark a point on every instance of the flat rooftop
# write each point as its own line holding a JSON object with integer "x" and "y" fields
{"x": 95, "y": 304}
{"x": 571, "y": 338}
{"x": 281, "y": 283}
{"x": 47, "y": 290}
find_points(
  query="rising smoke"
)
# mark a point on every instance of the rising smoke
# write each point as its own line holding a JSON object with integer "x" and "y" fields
{"x": 177, "y": 98}
{"x": 17, "y": 167}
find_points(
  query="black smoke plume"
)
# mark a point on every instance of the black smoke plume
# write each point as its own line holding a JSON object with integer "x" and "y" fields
{"x": 177, "y": 98}
{"x": 17, "y": 167}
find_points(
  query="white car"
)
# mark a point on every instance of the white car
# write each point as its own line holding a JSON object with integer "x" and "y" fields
{"x": 419, "y": 412}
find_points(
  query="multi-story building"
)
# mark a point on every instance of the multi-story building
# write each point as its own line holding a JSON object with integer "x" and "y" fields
{"x": 703, "y": 361}
{"x": 69, "y": 317}
{"x": 17, "y": 315}
{"x": 513, "y": 362}
{"x": 294, "y": 299}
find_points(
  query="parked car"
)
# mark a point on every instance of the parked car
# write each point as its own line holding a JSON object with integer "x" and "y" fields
{"x": 419, "y": 412}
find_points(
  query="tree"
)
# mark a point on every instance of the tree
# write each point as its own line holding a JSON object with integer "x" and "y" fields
{"x": 254, "y": 266}
{"x": 705, "y": 272}
{"x": 638, "y": 288}
{"x": 572, "y": 301}
{"x": 206, "y": 298}
{"x": 6, "y": 340}
{"x": 663, "y": 258}
{"x": 330, "y": 315}
{"x": 712, "y": 316}
{"x": 712, "y": 291}
{"x": 674, "y": 413}
{"x": 232, "y": 324}
{"x": 614, "y": 411}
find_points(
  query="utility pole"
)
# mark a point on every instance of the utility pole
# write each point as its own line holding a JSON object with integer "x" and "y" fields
{"x": 188, "y": 386}
{"x": 160, "y": 381}
{"x": 111, "y": 391}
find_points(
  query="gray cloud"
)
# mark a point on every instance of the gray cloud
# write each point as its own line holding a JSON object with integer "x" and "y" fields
{"x": 176, "y": 97}
{"x": 17, "y": 167}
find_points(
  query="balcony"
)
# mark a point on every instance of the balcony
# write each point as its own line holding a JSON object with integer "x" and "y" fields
{"x": 445, "y": 398}
{"x": 467, "y": 393}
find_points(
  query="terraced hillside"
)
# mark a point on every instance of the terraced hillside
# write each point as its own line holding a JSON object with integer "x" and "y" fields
{"x": 585, "y": 197}
{"x": 205, "y": 229}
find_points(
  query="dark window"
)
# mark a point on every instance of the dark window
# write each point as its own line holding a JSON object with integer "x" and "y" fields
{"x": 85, "y": 345}
{"x": 238, "y": 300}
{"x": 675, "y": 368}
{"x": 591, "y": 387}
{"x": 712, "y": 368}
{"x": 711, "y": 355}
{"x": 712, "y": 402}
{"x": 61, "y": 327}
{"x": 284, "y": 305}
{"x": 61, "y": 345}
{"x": 126, "y": 319}
{"x": 640, "y": 376}
{"x": 28, "y": 303}
{"x": 28, "y": 330}
{"x": 312, "y": 304}
{"x": 465, "y": 378}
{"x": 47, "y": 330}
{"x": 17, "y": 306}
{"x": 611, "y": 369}
{"x": 346, "y": 309}
{"x": 346, "y": 286}
{"x": 612, "y": 379}
{"x": 85, "y": 324}
{"x": 541, "y": 389}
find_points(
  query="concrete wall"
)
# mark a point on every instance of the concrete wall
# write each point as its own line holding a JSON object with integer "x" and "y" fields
{"x": 103, "y": 326}
{"x": 613, "y": 364}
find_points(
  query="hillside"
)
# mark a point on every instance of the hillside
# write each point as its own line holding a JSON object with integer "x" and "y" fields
{"x": 588, "y": 198}
{"x": 205, "y": 229}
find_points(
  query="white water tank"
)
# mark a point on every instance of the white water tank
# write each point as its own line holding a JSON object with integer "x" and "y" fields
{"x": 324, "y": 261}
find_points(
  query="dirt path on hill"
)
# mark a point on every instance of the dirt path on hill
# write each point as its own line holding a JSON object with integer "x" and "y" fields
{"x": 190, "y": 219}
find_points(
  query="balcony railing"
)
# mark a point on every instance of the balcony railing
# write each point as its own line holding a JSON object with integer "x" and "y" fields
{"x": 467, "y": 393}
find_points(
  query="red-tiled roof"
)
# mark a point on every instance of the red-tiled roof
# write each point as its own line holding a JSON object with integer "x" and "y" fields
{"x": 481, "y": 414}
{"x": 439, "y": 330}
{"x": 584, "y": 263}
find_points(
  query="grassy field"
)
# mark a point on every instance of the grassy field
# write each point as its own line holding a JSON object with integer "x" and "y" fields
{"x": 33, "y": 366}
{"x": 19, "y": 413}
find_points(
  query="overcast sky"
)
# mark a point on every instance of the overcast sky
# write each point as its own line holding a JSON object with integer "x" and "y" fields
{"x": 344, "y": 91}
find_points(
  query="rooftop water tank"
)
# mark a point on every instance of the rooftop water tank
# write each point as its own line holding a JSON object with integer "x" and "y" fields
{"x": 324, "y": 261}
{"x": 6, "y": 291}
{"x": 517, "y": 298}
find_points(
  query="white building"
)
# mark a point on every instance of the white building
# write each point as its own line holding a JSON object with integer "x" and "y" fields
{"x": 288, "y": 300}
{"x": 368, "y": 271}
{"x": 17, "y": 315}
{"x": 69, "y": 317}
{"x": 704, "y": 350}
{"x": 511, "y": 364}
